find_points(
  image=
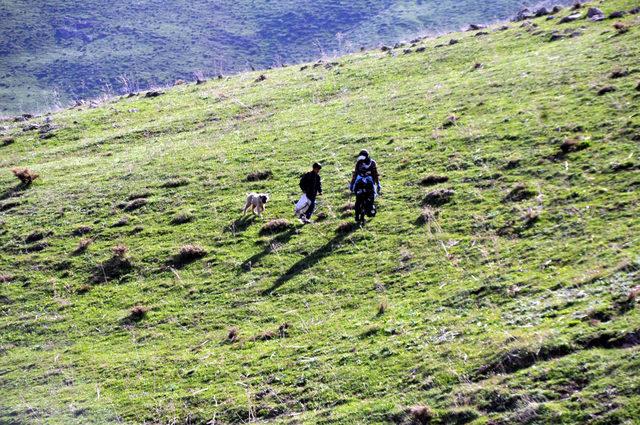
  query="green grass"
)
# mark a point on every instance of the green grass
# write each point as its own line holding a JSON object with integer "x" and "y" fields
{"x": 487, "y": 320}
{"x": 53, "y": 54}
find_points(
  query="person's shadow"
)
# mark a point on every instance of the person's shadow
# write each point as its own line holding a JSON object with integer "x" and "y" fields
{"x": 281, "y": 238}
{"x": 308, "y": 261}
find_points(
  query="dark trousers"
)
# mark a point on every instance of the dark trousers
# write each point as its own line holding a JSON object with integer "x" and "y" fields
{"x": 312, "y": 207}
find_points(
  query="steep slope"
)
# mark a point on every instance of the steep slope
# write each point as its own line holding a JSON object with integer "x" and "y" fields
{"x": 53, "y": 53}
{"x": 514, "y": 303}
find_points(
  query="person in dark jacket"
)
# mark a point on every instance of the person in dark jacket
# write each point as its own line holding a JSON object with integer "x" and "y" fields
{"x": 311, "y": 185}
{"x": 365, "y": 166}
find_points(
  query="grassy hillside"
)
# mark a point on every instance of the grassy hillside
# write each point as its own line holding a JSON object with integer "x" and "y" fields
{"x": 54, "y": 53}
{"x": 513, "y": 303}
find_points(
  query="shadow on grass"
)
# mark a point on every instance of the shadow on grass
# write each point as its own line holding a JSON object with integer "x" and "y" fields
{"x": 241, "y": 224}
{"x": 13, "y": 191}
{"x": 310, "y": 260}
{"x": 282, "y": 238}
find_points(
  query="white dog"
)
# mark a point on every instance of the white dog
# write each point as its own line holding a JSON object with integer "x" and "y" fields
{"x": 256, "y": 201}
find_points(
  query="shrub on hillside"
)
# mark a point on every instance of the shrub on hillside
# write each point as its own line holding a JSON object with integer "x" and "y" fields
{"x": 259, "y": 175}
{"x": 25, "y": 175}
{"x": 275, "y": 226}
{"x": 115, "y": 267}
{"x": 188, "y": 254}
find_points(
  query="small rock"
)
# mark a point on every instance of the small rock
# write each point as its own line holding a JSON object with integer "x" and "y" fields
{"x": 303, "y": 67}
{"x": 453, "y": 41}
{"x": 542, "y": 12}
{"x": 576, "y": 6}
{"x": 556, "y": 9}
{"x": 481, "y": 33}
{"x": 30, "y": 127}
{"x": 635, "y": 10}
{"x": 638, "y": 86}
{"x": 476, "y": 27}
{"x": 421, "y": 49}
{"x": 605, "y": 90}
{"x": 556, "y": 36}
{"x": 260, "y": 78}
{"x": 617, "y": 14}
{"x": 385, "y": 48}
{"x": 550, "y": 17}
{"x": 522, "y": 15}
{"x": 570, "y": 18}
{"x": 202, "y": 81}
{"x": 153, "y": 93}
{"x": 594, "y": 11}
{"x": 407, "y": 51}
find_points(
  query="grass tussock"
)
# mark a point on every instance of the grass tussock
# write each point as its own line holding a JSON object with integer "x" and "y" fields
{"x": 5, "y": 278}
{"x": 182, "y": 218}
{"x": 438, "y": 197}
{"x": 82, "y": 230}
{"x": 345, "y": 227}
{"x": 83, "y": 245}
{"x": 259, "y": 176}
{"x": 233, "y": 335}
{"x": 137, "y": 313}
{"x": 275, "y": 226}
{"x": 116, "y": 267}
{"x": 176, "y": 182}
{"x": 433, "y": 180}
{"x": 188, "y": 254}
{"x": 135, "y": 204}
{"x": 519, "y": 193}
{"x": 25, "y": 175}
{"x": 420, "y": 414}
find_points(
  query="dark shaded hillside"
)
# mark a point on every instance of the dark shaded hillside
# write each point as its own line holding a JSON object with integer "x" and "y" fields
{"x": 52, "y": 53}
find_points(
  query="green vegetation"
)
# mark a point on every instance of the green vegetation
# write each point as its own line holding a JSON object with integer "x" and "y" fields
{"x": 131, "y": 291}
{"x": 53, "y": 54}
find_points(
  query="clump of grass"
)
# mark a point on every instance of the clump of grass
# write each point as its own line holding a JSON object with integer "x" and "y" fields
{"x": 275, "y": 226}
{"x": 37, "y": 235}
{"x": 450, "y": 121}
{"x": 519, "y": 193}
{"x": 382, "y": 307}
{"x": 530, "y": 216}
{"x": 428, "y": 215}
{"x": 321, "y": 216}
{"x": 233, "y": 335}
{"x": 182, "y": 218}
{"x": 84, "y": 288}
{"x": 420, "y": 414}
{"x": 115, "y": 267}
{"x": 135, "y": 204}
{"x": 25, "y": 175}
{"x": 620, "y": 27}
{"x": 345, "y": 227}
{"x": 5, "y": 278}
{"x": 259, "y": 175}
{"x": 6, "y": 141}
{"x": 348, "y": 207}
{"x": 433, "y": 179}
{"x": 83, "y": 245}
{"x": 438, "y": 197}
{"x": 573, "y": 145}
{"x": 82, "y": 230}
{"x": 173, "y": 183}
{"x": 122, "y": 221}
{"x": 138, "y": 312}
{"x": 188, "y": 254}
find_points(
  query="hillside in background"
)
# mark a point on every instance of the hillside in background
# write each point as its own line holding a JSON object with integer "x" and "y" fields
{"x": 497, "y": 285}
{"x": 54, "y": 53}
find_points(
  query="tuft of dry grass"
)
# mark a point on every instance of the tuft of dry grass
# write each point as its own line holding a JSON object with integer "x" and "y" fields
{"x": 382, "y": 307}
{"x": 120, "y": 250}
{"x": 188, "y": 254}
{"x": 420, "y": 414}
{"x": 620, "y": 27}
{"x": 259, "y": 175}
{"x": 138, "y": 312}
{"x": 173, "y": 183}
{"x": 115, "y": 267}
{"x": 25, "y": 175}
{"x": 84, "y": 288}
{"x": 233, "y": 335}
{"x": 433, "y": 179}
{"x": 345, "y": 227}
{"x": 182, "y": 218}
{"x": 135, "y": 204}
{"x": 530, "y": 216}
{"x": 275, "y": 226}
{"x": 83, "y": 245}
